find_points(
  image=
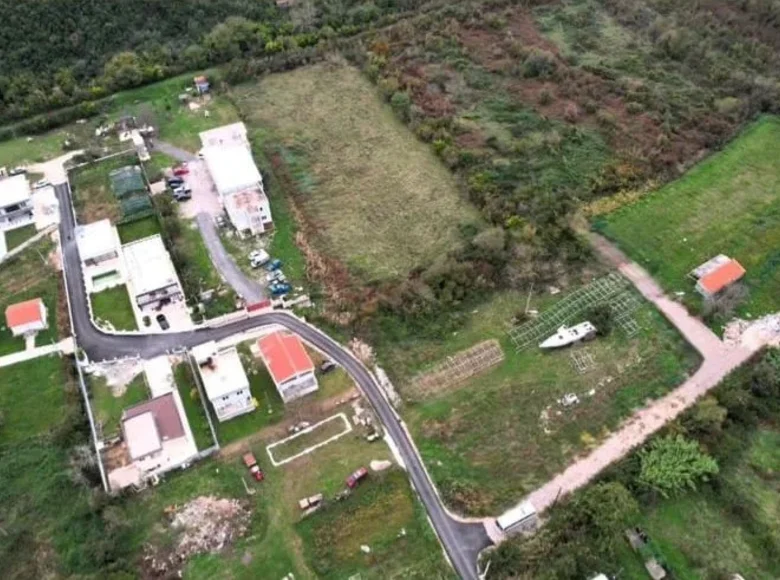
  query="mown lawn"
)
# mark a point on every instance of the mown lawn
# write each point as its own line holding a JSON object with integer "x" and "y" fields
{"x": 32, "y": 395}
{"x": 17, "y": 237}
{"x": 108, "y": 407}
{"x": 727, "y": 204}
{"x": 382, "y": 201}
{"x": 196, "y": 413}
{"x": 24, "y": 277}
{"x": 112, "y": 307}
{"x": 494, "y": 438}
{"x": 139, "y": 229}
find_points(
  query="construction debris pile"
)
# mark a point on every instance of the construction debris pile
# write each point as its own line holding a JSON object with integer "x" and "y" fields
{"x": 206, "y": 524}
{"x": 765, "y": 330}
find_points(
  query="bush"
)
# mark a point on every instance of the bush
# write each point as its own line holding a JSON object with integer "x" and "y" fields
{"x": 672, "y": 464}
{"x": 539, "y": 64}
{"x": 602, "y": 317}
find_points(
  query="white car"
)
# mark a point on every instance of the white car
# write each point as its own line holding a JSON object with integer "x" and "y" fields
{"x": 275, "y": 276}
{"x": 258, "y": 258}
{"x": 41, "y": 183}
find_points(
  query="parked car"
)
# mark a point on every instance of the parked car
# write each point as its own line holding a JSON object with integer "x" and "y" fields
{"x": 276, "y": 276}
{"x": 273, "y": 265}
{"x": 162, "y": 321}
{"x": 310, "y": 502}
{"x": 181, "y": 169}
{"x": 258, "y": 257}
{"x": 253, "y": 467}
{"x": 41, "y": 183}
{"x": 279, "y": 289}
{"x": 174, "y": 182}
{"x": 182, "y": 193}
{"x": 220, "y": 221}
{"x": 356, "y": 477}
{"x": 327, "y": 366}
{"x": 17, "y": 171}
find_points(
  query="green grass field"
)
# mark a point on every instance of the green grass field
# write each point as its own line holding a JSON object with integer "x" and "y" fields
{"x": 727, "y": 204}
{"x": 31, "y": 397}
{"x": 112, "y": 307}
{"x": 196, "y": 414}
{"x": 17, "y": 237}
{"x": 303, "y": 441}
{"x": 93, "y": 199}
{"x": 381, "y": 198}
{"x": 24, "y": 277}
{"x": 139, "y": 229}
{"x": 108, "y": 408}
{"x": 484, "y": 442}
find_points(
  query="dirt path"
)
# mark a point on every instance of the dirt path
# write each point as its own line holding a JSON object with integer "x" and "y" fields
{"x": 317, "y": 412}
{"x": 719, "y": 360}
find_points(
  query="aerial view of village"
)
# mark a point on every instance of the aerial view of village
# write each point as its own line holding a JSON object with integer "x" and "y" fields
{"x": 398, "y": 289}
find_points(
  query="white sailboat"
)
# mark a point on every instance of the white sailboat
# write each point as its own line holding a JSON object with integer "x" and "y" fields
{"x": 566, "y": 335}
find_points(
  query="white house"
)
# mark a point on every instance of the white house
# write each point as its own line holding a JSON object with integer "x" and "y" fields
{"x": 16, "y": 207}
{"x": 100, "y": 251}
{"x": 26, "y": 318}
{"x": 151, "y": 276}
{"x": 224, "y": 380}
{"x": 228, "y": 157}
{"x": 46, "y": 207}
{"x": 288, "y": 364}
{"x": 226, "y": 135}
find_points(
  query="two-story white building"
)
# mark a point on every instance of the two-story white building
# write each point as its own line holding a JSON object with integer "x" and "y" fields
{"x": 100, "y": 251}
{"x": 224, "y": 380}
{"x": 16, "y": 207}
{"x": 289, "y": 365}
{"x": 228, "y": 157}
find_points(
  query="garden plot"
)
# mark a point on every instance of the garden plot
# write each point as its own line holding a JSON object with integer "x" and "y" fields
{"x": 309, "y": 439}
{"x": 458, "y": 368}
{"x": 611, "y": 290}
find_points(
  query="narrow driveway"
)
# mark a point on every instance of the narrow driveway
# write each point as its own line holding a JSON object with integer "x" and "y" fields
{"x": 249, "y": 289}
{"x": 462, "y": 541}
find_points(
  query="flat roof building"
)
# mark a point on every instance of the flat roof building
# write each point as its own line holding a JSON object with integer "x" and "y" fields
{"x": 151, "y": 276}
{"x": 232, "y": 168}
{"x": 224, "y": 380}
{"x": 100, "y": 252}
{"x": 226, "y": 135}
{"x": 16, "y": 209}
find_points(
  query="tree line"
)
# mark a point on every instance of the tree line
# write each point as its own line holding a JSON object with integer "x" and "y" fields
{"x": 59, "y": 53}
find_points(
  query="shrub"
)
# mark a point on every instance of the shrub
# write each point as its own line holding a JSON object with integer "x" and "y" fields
{"x": 401, "y": 103}
{"x": 673, "y": 463}
{"x": 602, "y": 318}
{"x": 545, "y": 98}
{"x": 539, "y": 64}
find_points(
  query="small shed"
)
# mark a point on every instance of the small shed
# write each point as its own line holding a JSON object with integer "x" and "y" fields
{"x": 716, "y": 275}
{"x": 202, "y": 84}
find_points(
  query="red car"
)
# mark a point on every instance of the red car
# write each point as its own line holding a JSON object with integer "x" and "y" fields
{"x": 254, "y": 468}
{"x": 181, "y": 169}
{"x": 356, "y": 477}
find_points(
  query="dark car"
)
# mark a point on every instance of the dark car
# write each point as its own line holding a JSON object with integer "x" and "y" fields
{"x": 174, "y": 182}
{"x": 327, "y": 366}
{"x": 162, "y": 321}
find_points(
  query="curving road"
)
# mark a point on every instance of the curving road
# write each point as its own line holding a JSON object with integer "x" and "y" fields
{"x": 462, "y": 541}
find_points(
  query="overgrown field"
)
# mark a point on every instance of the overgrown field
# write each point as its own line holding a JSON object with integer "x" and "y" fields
{"x": 494, "y": 438}
{"x": 24, "y": 277}
{"x": 380, "y": 200}
{"x": 727, "y": 204}
{"x": 93, "y": 198}
{"x": 704, "y": 491}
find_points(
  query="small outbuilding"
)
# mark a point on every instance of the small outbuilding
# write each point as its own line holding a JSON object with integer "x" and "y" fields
{"x": 717, "y": 274}
{"x": 26, "y": 318}
{"x": 202, "y": 84}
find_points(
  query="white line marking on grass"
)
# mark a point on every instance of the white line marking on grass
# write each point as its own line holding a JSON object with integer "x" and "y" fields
{"x": 348, "y": 429}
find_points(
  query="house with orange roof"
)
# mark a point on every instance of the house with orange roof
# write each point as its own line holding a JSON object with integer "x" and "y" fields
{"x": 716, "y": 275}
{"x": 26, "y": 318}
{"x": 289, "y": 365}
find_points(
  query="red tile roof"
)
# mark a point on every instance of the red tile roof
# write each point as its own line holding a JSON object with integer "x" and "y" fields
{"x": 24, "y": 313}
{"x": 284, "y": 356}
{"x": 718, "y": 279}
{"x": 166, "y": 416}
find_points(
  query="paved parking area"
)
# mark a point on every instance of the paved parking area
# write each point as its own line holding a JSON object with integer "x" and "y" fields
{"x": 204, "y": 194}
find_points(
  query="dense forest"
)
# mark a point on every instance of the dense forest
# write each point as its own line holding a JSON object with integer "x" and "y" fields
{"x": 56, "y": 53}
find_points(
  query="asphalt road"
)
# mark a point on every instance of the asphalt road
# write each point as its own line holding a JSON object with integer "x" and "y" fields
{"x": 462, "y": 541}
